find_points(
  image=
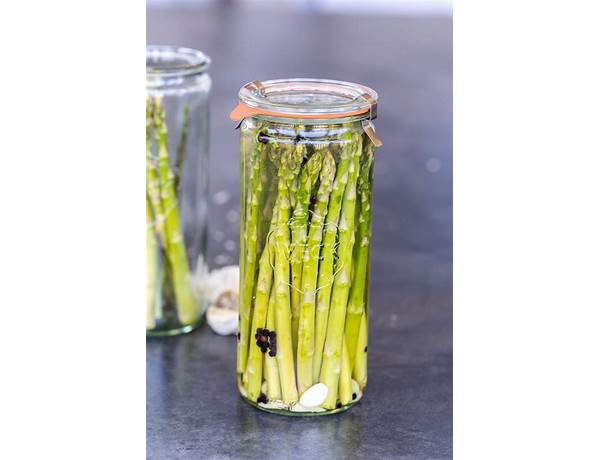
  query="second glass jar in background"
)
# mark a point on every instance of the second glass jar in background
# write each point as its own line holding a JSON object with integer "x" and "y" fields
{"x": 177, "y": 88}
{"x": 307, "y": 151}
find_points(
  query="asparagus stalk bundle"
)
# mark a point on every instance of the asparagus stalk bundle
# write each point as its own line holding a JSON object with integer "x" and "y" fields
{"x": 304, "y": 301}
{"x": 325, "y": 278}
{"x": 176, "y": 253}
{"x": 290, "y": 164}
{"x": 251, "y": 234}
{"x": 330, "y": 368}
{"x": 356, "y": 304}
{"x": 164, "y": 221}
{"x": 259, "y": 319}
{"x": 153, "y": 223}
{"x": 307, "y": 180}
{"x": 306, "y": 329}
{"x": 152, "y": 180}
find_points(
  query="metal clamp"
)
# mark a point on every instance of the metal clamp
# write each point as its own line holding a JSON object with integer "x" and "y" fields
{"x": 369, "y": 130}
{"x": 256, "y": 86}
{"x": 373, "y": 108}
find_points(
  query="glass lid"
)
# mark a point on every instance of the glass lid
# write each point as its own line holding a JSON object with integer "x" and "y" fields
{"x": 308, "y": 98}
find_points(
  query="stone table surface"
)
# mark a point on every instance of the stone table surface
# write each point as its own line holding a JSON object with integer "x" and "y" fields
{"x": 193, "y": 409}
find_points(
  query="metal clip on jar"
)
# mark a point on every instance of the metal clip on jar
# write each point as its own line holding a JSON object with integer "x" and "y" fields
{"x": 306, "y": 185}
{"x": 177, "y": 89}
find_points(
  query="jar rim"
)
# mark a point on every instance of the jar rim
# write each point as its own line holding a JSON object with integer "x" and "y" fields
{"x": 167, "y": 61}
{"x": 309, "y": 98}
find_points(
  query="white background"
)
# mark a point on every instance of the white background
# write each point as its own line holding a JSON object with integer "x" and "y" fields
{"x": 526, "y": 230}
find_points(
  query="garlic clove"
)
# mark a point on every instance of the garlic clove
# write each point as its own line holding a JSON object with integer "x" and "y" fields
{"x": 300, "y": 408}
{"x": 314, "y": 396}
{"x": 223, "y": 321}
{"x": 222, "y": 280}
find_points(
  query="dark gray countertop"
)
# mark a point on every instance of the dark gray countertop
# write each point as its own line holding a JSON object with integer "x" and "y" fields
{"x": 193, "y": 409}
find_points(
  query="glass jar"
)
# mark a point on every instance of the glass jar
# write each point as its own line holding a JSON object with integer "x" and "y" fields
{"x": 307, "y": 150}
{"x": 177, "y": 90}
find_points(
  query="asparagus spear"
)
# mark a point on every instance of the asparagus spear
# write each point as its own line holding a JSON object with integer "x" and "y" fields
{"x": 271, "y": 371}
{"x": 356, "y": 304}
{"x": 306, "y": 183}
{"x": 181, "y": 148}
{"x": 268, "y": 200}
{"x": 345, "y": 386}
{"x": 174, "y": 245}
{"x": 330, "y": 369}
{"x": 360, "y": 365}
{"x": 251, "y": 234}
{"x": 152, "y": 180}
{"x": 153, "y": 194}
{"x": 289, "y": 166}
{"x": 151, "y": 268}
{"x": 153, "y": 222}
{"x": 263, "y": 289}
{"x": 306, "y": 328}
{"x": 324, "y": 283}
{"x": 292, "y": 180}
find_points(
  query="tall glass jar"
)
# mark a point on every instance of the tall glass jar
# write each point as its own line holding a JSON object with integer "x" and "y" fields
{"x": 307, "y": 151}
{"x": 177, "y": 89}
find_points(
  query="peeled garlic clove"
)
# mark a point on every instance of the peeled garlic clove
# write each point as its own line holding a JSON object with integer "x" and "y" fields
{"x": 300, "y": 408}
{"x": 223, "y": 321}
{"x": 314, "y": 396}
{"x": 221, "y": 280}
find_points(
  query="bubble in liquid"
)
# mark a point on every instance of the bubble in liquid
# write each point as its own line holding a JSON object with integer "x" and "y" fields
{"x": 232, "y": 216}
{"x": 221, "y": 197}
{"x": 222, "y": 259}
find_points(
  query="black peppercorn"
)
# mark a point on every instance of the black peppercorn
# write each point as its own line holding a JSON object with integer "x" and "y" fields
{"x": 266, "y": 340}
{"x": 338, "y": 405}
{"x": 262, "y": 398}
{"x": 353, "y": 396}
{"x": 366, "y": 349}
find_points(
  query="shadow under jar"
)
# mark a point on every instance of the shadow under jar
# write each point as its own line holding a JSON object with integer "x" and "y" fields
{"x": 177, "y": 90}
{"x": 307, "y": 150}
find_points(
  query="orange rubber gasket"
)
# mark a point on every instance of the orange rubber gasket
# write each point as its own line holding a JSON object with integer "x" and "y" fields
{"x": 242, "y": 111}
